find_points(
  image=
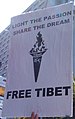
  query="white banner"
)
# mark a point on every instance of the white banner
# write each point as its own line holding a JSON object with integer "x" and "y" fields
{"x": 40, "y": 64}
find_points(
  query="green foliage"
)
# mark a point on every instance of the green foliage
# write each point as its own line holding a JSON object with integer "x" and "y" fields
{"x": 74, "y": 78}
{"x": 74, "y": 89}
{"x": 74, "y": 86}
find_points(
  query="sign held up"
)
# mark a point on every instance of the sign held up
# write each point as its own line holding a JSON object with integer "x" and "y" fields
{"x": 40, "y": 64}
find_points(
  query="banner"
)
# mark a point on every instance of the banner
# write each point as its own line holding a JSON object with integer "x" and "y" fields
{"x": 40, "y": 64}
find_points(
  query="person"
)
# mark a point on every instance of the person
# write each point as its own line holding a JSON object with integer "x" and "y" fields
{"x": 34, "y": 116}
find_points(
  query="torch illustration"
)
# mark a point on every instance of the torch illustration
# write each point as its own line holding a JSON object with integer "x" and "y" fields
{"x": 37, "y": 51}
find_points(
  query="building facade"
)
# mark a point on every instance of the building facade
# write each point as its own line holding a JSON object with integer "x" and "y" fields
{"x": 4, "y": 51}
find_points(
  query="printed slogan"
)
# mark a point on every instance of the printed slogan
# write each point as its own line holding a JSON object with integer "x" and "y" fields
{"x": 44, "y": 92}
{"x": 49, "y": 21}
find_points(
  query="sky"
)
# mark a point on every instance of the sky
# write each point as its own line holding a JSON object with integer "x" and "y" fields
{"x": 10, "y": 8}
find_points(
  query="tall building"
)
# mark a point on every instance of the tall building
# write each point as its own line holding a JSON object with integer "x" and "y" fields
{"x": 4, "y": 51}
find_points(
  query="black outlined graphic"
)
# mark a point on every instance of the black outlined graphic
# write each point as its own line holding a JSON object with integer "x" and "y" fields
{"x": 37, "y": 51}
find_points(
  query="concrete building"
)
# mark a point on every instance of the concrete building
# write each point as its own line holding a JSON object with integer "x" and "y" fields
{"x": 4, "y": 51}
